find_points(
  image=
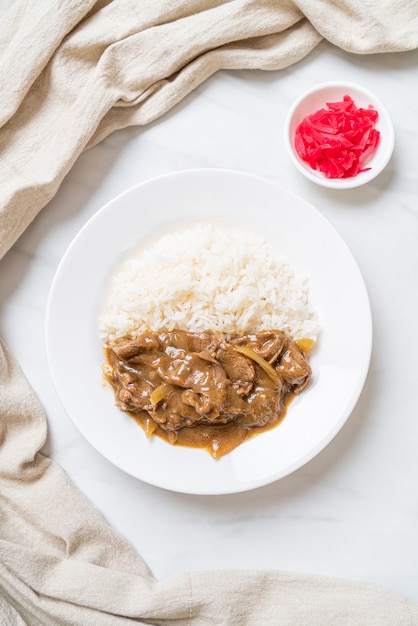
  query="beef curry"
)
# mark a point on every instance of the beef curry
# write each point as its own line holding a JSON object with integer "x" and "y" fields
{"x": 201, "y": 390}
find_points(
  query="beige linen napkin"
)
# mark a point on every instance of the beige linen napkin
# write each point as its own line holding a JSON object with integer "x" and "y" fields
{"x": 71, "y": 72}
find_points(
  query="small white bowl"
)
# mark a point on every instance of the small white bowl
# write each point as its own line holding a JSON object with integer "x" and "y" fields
{"x": 315, "y": 99}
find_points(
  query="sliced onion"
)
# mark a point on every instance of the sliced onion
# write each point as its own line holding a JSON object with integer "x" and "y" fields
{"x": 265, "y": 365}
{"x": 159, "y": 393}
{"x": 306, "y": 344}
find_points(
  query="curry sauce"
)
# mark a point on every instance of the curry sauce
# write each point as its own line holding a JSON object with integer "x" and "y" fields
{"x": 204, "y": 391}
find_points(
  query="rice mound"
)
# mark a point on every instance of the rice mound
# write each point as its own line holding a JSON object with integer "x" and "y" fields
{"x": 208, "y": 279}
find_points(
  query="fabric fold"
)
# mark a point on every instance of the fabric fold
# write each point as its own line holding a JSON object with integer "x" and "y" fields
{"x": 369, "y": 27}
{"x": 145, "y": 55}
{"x": 22, "y": 31}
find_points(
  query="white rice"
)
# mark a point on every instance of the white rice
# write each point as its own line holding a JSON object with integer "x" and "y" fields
{"x": 206, "y": 278}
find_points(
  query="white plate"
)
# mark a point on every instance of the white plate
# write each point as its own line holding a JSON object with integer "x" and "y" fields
{"x": 311, "y": 245}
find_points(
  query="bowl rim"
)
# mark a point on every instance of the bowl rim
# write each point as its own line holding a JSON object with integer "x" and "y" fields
{"x": 341, "y": 183}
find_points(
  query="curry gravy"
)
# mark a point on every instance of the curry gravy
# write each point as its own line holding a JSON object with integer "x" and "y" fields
{"x": 201, "y": 390}
{"x": 216, "y": 440}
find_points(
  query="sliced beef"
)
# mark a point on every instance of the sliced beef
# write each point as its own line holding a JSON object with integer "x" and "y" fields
{"x": 188, "y": 380}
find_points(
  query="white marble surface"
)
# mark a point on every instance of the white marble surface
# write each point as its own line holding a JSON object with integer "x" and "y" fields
{"x": 352, "y": 512}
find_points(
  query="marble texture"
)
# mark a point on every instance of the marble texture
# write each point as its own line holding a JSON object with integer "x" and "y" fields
{"x": 352, "y": 512}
